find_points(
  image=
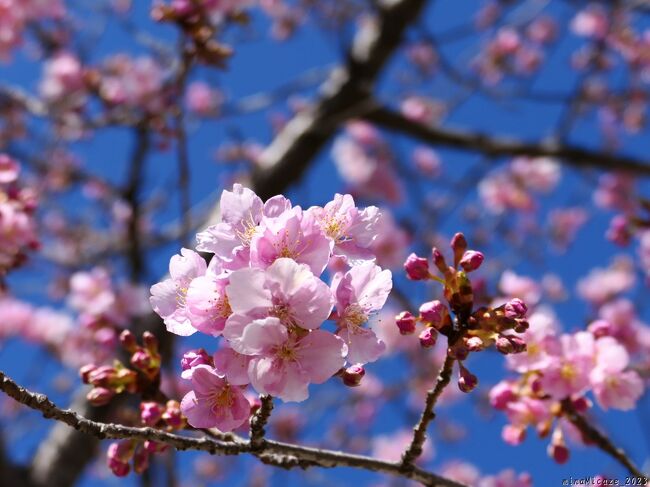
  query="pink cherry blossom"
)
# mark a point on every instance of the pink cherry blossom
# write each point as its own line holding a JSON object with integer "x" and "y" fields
{"x": 213, "y": 402}
{"x": 286, "y": 290}
{"x": 568, "y": 372}
{"x": 207, "y": 303}
{"x": 613, "y": 385}
{"x": 294, "y": 234}
{"x": 168, "y": 298}
{"x": 351, "y": 230}
{"x": 284, "y": 364}
{"x": 602, "y": 284}
{"x": 361, "y": 291}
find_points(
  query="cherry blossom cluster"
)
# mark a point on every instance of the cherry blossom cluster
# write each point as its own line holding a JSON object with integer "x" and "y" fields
{"x": 467, "y": 329}
{"x": 514, "y": 187}
{"x": 17, "y": 226}
{"x": 15, "y": 15}
{"x": 515, "y": 50}
{"x": 263, "y": 292}
{"x": 556, "y": 368}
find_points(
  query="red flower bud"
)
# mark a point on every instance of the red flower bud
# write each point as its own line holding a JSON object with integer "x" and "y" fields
{"x": 406, "y": 322}
{"x": 417, "y": 268}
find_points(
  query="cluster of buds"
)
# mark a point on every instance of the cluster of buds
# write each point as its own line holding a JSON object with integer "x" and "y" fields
{"x": 194, "y": 18}
{"x": 146, "y": 358}
{"x": 107, "y": 380}
{"x": 471, "y": 330}
{"x": 122, "y": 453}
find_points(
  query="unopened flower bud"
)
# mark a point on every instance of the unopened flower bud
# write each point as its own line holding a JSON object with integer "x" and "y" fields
{"x": 471, "y": 260}
{"x": 100, "y": 396}
{"x": 406, "y": 322}
{"x": 513, "y": 435}
{"x": 140, "y": 460}
{"x": 150, "y": 342}
{"x": 439, "y": 261}
{"x": 467, "y": 381}
{"x": 101, "y": 376}
{"x": 619, "y": 231}
{"x": 428, "y": 337}
{"x": 128, "y": 341}
{"x": 507, "y": 344}
{"x": 154, "y": 446}
{"x": 459, "y": 246}
{"x": 191, "y": 359}
{"x": 434, "y": 313}
{"x": 85, "y": 371}
{"x": 173, "y": 416}
{"x": 581, "y": 404}
{"x": 118, "y": 456}
{"x": 417, "y": 268}
{"x": 515, "y": 308}
{"x": 352, "y": 375}
{"x": 557, "y": 449}
{"x": 601, "y": 328}
{"x": 150, "y": 412}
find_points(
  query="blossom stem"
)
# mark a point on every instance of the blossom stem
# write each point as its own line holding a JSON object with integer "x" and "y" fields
{"x": 414, "y": 450}
{"x": 591, "y": 433}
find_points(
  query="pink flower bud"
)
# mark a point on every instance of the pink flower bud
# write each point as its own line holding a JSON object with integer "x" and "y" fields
{"x": 428, "y": 337}
{"x": 352, "y": 375}
{"x": 406, "y": 322}
{"x": 515, "y": 308}
{"x": 128, "y": 341}
{"x": 102, "y": 376}
{"x": 192, "y": 358}
{"x": 439, "y": 261}
{"x": 467, "y": 381}
{"x": 417, "y": 268}
{"x": 582, "y": 404}
{"x": 433, "y": 312}
{"x": 85, "y": 371}
{"x": 150, "y": 412}
{"x": 558, "y": 452}
{"x": 459, "y": 246}
{"x": 471, "y": 260}
{"x": 140, "y": 461}
{"x": 173, "y": 416}
{"x": 619, "y": 231}
{"x": 150, "y": 342}
{"x": 601, "y": 328}
{"x": 100, "y": 396}
{"x": 507, "y": 344}
{"x": 118, "y": 456}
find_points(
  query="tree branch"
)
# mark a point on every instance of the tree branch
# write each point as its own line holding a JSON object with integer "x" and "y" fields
{"x": 599, "y": 439}
{"x": 503, "y": 146}
{"x": 272, "y": 452}
{"x": 259, "y": 420}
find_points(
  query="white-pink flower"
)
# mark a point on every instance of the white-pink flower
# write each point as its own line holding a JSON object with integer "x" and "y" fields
{"x": 213, "y": 402}
{"x": 360, "y": 292}
{"x": 284, "y": 364}
{"x": 286, "y": 290}
{"x": 168, "y": 298}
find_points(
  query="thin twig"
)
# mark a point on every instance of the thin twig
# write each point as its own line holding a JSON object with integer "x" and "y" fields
{"x": 414, "y": 450}
{"x": 599, "y": 439}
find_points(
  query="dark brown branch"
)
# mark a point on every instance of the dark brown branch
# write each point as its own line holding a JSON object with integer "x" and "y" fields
{"x": 414, "y": 450}
{"x": 271, "y": 452}
{"x": 599, "y": 439}
{"x": 259, "y": 420}
{"x": 343, "y": 96}
{"x": 502, "y": 146}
